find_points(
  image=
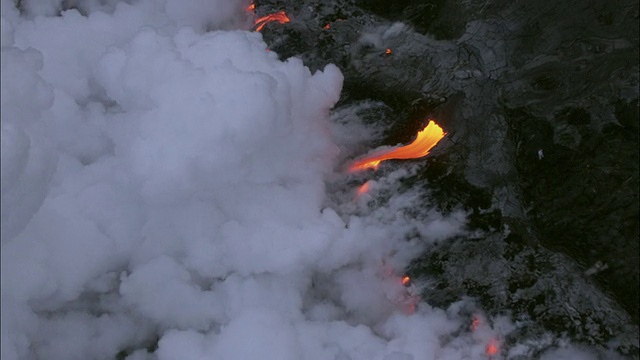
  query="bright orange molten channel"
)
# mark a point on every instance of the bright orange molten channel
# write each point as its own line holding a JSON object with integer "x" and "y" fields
{"x": 426, "y": 140}
{"x": 280, "y": 17}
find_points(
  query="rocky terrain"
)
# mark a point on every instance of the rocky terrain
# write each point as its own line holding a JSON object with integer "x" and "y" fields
{"x": 540, "y": 102}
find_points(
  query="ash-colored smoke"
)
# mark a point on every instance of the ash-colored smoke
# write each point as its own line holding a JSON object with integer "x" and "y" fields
{"x": 163, "y": 181}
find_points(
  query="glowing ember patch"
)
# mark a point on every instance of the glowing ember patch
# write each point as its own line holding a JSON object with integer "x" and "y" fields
{"x": 492, "y": 348}
{"x": 280, "y": 17}
{"x": 251, "y": 7}
{"x": 328, "y": 26}
{"x": 388, "y": 52}
{"x": 475, "y": 323}
{"x": 406, "y": 280}
{"x": 410, "y": 309}
{"x": 364, "y": 188}
{"x": 426, "y": 140}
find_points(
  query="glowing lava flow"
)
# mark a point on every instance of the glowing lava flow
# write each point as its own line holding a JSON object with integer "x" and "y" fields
{"x": 427, "y": 139}
{"x": 492, "y": 348}
{"x": 363, "y": 189}
{"x": 280, "y": 17}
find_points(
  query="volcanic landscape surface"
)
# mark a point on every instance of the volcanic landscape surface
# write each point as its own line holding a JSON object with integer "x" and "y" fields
{"x": 202, "y": 179}
{"x": 543, "y": 116}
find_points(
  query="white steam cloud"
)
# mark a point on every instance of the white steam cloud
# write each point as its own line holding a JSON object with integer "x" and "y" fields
{"x": 163, "y": 181}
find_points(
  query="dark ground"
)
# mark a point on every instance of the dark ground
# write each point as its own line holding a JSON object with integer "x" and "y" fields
{"x": 540, "y": 100}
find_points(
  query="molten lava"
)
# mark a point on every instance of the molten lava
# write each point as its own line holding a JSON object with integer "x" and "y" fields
{"x": 388, "y": 52}
{"x": 492, "y": 348}
{"x": 410, "y": 309}
{"x": 280, "y": 17}
{"x": 475, "y": 323}
{"x": 363, "y": 189}
{"x": 406, "y": 280}
{"x": 427, "y": 139}
{"x": 250, "y": 7}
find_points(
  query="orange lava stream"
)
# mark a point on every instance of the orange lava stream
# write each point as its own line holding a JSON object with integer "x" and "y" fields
{"x": 280, "y": 17}
{"x": 426, "y": 140}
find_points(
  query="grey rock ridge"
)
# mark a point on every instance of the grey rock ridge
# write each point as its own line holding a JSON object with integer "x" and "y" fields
{"x": 540, "y": 101}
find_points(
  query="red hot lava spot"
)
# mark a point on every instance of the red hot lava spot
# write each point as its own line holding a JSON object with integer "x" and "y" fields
{"x": 475, "y": 323}
{"x": 492, "y": 348}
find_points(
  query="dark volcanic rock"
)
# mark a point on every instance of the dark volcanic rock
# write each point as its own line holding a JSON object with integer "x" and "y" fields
{"x": 583, "y": 195}
{"x": 507, "y": 275}
{"x": 540, "y": 100}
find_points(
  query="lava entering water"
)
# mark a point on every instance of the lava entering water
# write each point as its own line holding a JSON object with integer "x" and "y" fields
{"x": 427, "y": 139}
{"x": 280, "y": 17}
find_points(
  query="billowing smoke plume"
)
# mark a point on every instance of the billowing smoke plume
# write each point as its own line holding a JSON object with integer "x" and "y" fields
{"x": 164, "y": 197}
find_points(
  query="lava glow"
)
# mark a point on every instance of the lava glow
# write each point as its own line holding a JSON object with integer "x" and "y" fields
{"x": 251, "y": 7}
{"x": 427, "y": 138}
{"x": 406, "y": 280}
{"x": 280, "y": 17}
{"x": 388, "y": 52}
{"x": 492, "y": 348}
{"x": 363, "y": 189}
{"x": 410, "y": 309}
{"x": 475, "y": 323}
